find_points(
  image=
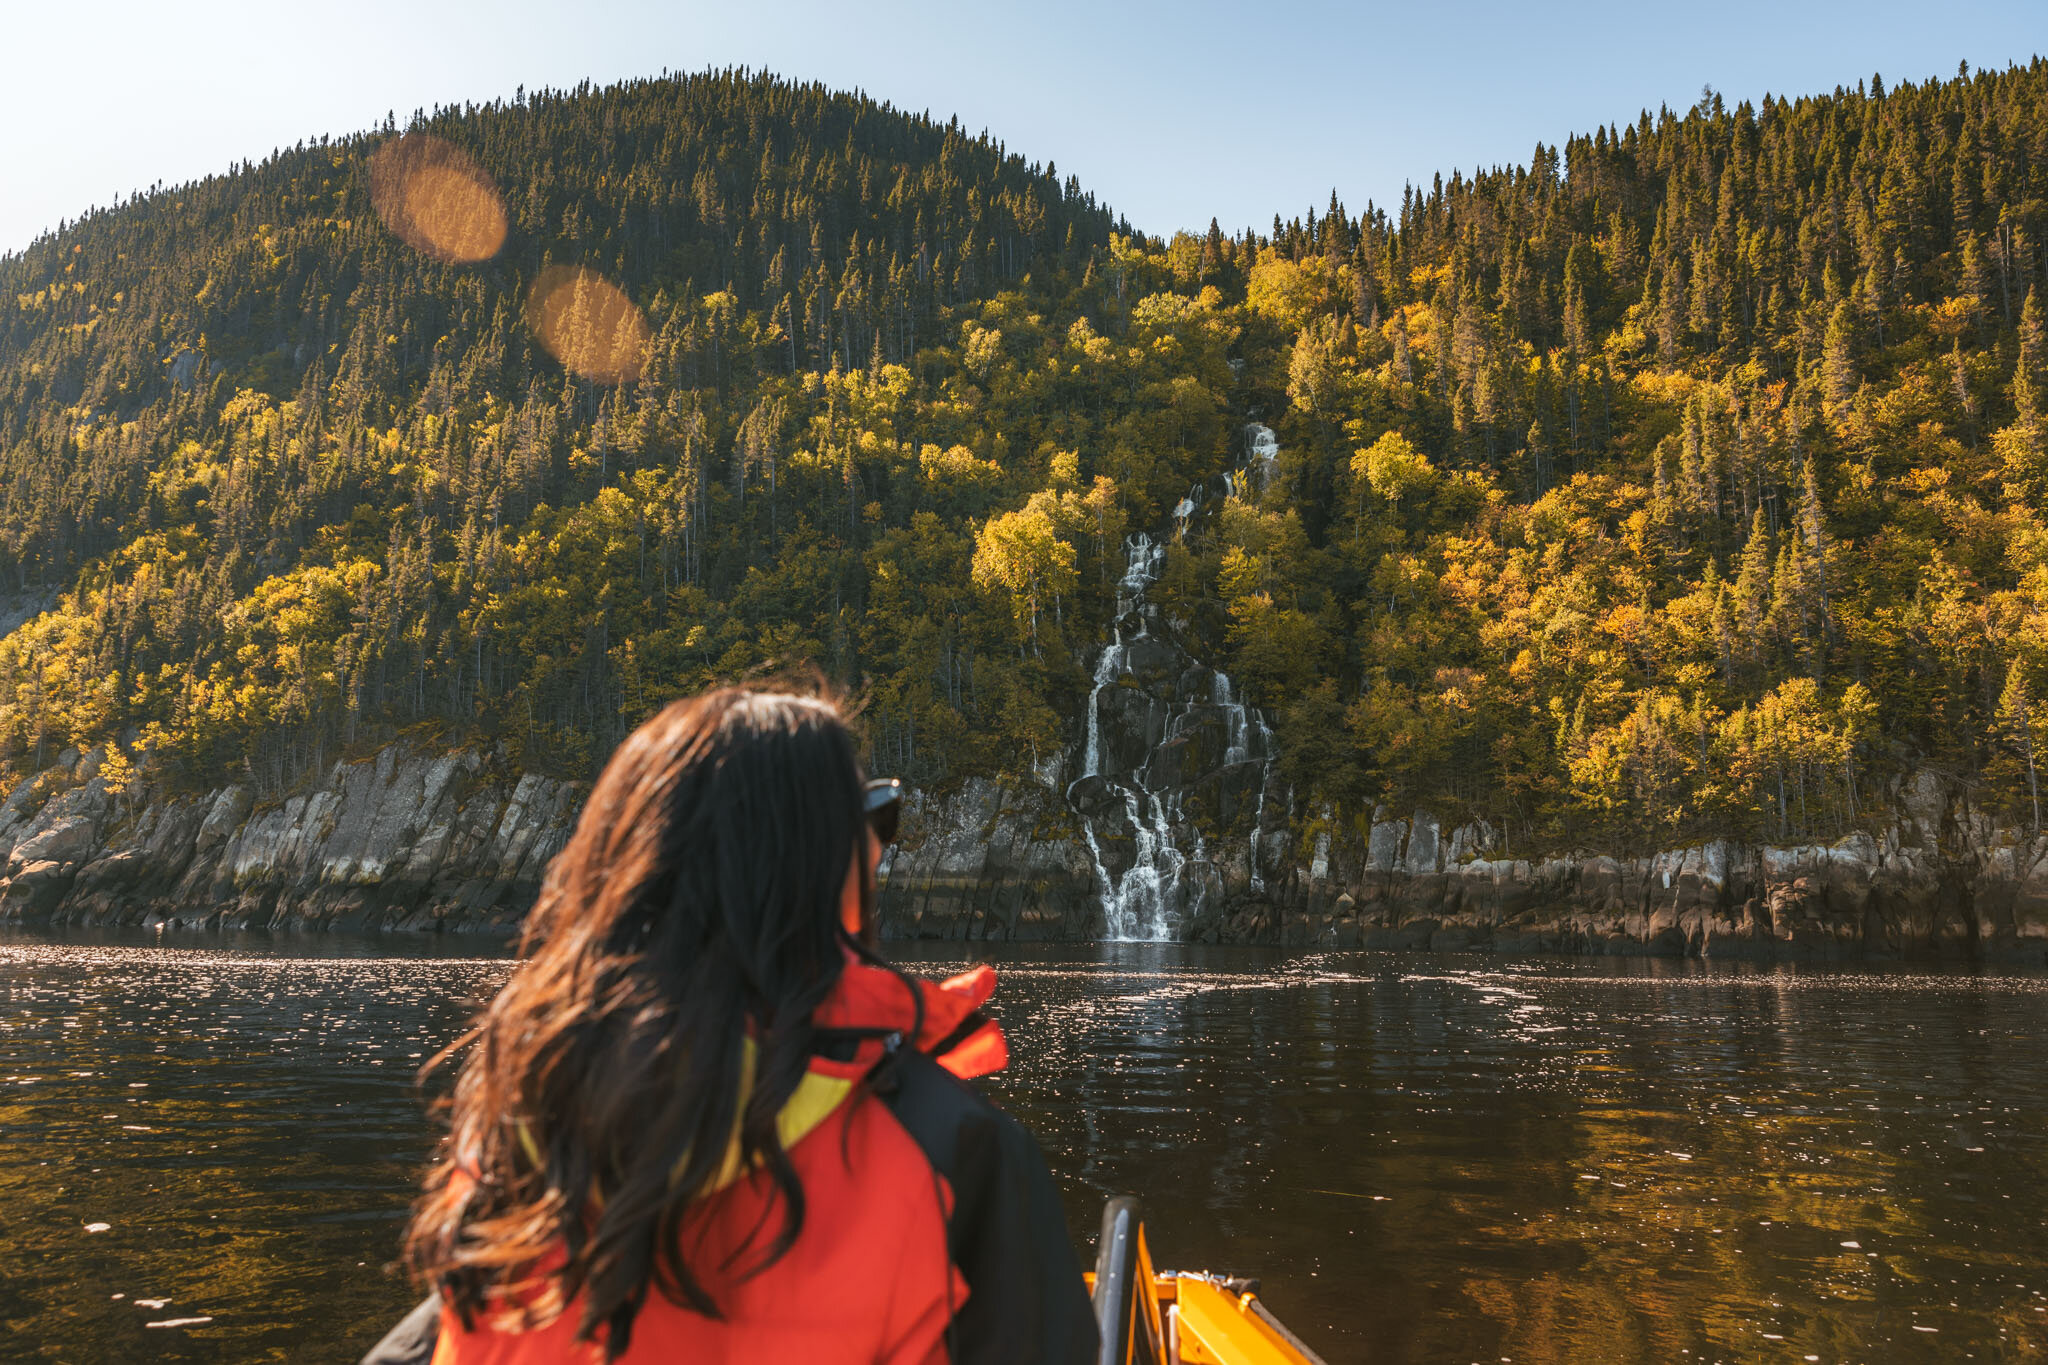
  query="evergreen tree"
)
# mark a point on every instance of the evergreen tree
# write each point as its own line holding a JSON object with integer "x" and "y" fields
{"x": 2016, "y": 719}
{"x": 2030, "y": 372}
{"x": 1752, "y": 605}
{"x": 1839, "y": 376}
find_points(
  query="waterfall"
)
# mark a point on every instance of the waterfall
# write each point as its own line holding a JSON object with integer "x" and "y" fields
{"x": 1182, "y": 729}
{"x": 1247, "y": 730}
{"x": 1135, "y": 905}
{"x": 1265, "y": 453}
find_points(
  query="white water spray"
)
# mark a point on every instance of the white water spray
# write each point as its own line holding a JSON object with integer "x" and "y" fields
{"x": 1135, "y": 905}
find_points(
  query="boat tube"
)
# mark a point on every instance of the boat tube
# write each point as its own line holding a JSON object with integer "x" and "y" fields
{"x": 1163, "y": 1317}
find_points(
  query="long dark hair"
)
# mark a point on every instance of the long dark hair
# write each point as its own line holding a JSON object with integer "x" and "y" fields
{"x": 696, "y": 904}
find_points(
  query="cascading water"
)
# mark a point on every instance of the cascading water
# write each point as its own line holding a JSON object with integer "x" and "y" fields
{"x": 1180, "y": 738}
{"x": 1262, "y": 448}
{"x": 1135, "y": 905}
{"x": 1265, "y": 450}
{"x": 1247, "y": 730}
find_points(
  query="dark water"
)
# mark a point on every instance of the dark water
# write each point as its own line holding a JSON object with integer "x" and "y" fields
{"x": 1426, "y": 1158}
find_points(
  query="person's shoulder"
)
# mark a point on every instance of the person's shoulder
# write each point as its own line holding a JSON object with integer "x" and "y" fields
{"x": 1007, "y": 1231}
{"x": 950, "y": 1119}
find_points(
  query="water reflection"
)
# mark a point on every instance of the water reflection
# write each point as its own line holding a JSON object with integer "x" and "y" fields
{"x": 1426, "y": 1159}
{"x": 244, "y": 1124}
{"x": 1551, "y": 1162}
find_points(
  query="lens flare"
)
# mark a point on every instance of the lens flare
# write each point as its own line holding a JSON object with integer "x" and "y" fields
{"x": 436, "y": 199}
{"x": 588, "y": 324}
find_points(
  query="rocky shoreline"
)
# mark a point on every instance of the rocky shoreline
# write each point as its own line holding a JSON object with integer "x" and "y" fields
{"x": 405, "y": 841}
{"x": 416, "y": 841}
{"x": 1940, "y": 880}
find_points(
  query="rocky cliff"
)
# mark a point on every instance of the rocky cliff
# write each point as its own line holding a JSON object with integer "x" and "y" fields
{"x": 990, "y": 861}
{"x": 1940, "y": 879}
{"x": 420, "y": 841}
{"x": 404, "y": 841}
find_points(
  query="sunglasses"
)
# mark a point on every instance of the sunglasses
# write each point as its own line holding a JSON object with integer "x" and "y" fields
{"x": 883, "y": 801}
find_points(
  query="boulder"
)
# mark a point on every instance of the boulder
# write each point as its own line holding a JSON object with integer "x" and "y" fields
{"x": 65, "y": 841}
{"x": 34, "y": 890}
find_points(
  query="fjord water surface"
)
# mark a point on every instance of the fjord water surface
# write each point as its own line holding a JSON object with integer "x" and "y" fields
{"x": 1425, "y": 1158}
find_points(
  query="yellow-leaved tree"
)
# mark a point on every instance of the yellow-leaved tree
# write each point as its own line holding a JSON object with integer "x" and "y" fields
{"x": 1021, "y": 555}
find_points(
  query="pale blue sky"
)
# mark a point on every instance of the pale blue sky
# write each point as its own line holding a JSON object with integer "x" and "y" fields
{"x": 1169, "y": 112}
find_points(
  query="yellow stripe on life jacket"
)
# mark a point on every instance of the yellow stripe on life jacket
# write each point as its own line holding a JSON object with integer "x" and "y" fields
{"x": 812, "y": 1102}
{"x": 809, "y": 1105}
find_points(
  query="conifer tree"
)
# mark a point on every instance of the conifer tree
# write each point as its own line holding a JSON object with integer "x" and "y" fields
{"x": 1752, "y": 606}
{"x": 2016, "y": 720}
{"x": 1814, "y": 556}
{"x": 1839, "y": 376}
{"x": 2030, "y": 372}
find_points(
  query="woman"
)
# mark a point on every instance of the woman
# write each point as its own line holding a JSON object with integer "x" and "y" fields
{"x": 703, "y": 1122}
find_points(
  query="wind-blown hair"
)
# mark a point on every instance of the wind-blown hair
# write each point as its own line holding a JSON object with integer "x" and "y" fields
{"x": 599, "y": 1094}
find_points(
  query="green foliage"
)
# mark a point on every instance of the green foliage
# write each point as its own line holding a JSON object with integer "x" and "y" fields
{"x": 305, "y": 489}
{"x": 1393, "y": 468}
{"x": 1687, "y": 481}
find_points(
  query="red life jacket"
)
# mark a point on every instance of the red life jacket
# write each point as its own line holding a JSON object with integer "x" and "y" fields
{"x": 872, "y": 1276}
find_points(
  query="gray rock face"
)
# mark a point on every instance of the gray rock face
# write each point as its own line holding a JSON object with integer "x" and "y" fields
{"x": 65, "y": 841}
{"x": 1398, "y": 883}
{"x": 404, "y": 841}
{"x": 1897, "y": 892}
{"x": 1170, "y": 784}
{"x": 1420, "y": 859}
{"x": 20, "y": 606}
{"x": 184, "y": 367}
{"x": 411, "y": 840}
{"x": 989, "y": 862}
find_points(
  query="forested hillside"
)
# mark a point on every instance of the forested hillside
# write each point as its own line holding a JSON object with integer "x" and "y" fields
{"x": 307, "y": 487}
{"x": 1690, "y": 479}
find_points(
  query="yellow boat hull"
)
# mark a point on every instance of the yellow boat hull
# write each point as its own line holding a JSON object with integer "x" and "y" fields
{"x": 1153, "y": 1317}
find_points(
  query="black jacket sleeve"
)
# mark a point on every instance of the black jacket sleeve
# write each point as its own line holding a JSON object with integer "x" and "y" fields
{"x": 1027, "y": 1304}
{"x": 412, "y": 1341}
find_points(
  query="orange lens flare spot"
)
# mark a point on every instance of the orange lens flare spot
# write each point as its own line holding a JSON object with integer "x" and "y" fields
{"x": 588, "y": 324}
{"x": 436, "y": 199}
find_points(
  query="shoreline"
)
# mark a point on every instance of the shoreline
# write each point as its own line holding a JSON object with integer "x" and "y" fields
{"x": 413, "y": 842}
